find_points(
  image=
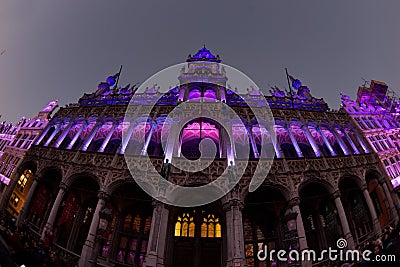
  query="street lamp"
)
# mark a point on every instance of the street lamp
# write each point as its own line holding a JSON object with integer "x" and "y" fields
{"x": 105, "y": 217}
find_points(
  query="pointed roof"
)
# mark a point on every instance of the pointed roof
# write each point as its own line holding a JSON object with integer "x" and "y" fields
{"x": 203, "y": 55}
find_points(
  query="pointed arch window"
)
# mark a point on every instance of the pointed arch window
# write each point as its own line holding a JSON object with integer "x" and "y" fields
{"x": 211, "y": 226}
{"x": 23, "y": 180}
{"x": 185, "y": 225}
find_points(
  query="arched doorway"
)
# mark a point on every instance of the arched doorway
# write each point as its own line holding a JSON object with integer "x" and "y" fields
{"x": 320, "y": 217}
{"x": 378, "y": 197}
{"x": 130, "y": 227}
{"x": 196, "y": 237}
{"x": 75, "y": 213}
{"x": 43, "y": 198}
{"x": 356, "y": 209}
{"x": 263, "y": 224}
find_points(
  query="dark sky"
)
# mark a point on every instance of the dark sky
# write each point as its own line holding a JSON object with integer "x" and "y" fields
{"x": 61, "y": 49}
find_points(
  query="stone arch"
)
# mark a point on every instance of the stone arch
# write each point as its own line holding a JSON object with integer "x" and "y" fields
{"x": 319, "y": 181}
{"x": 132, "y": 213}
{"x": 375, "y": 185}
{"x": 319, "y": 213}
{"x": 355, "y": 206}
{"x": 29, "y": 164}
{"x": 43, "y": 172}
{"x": 73, "y": 220}
{"x": 359, "y": 181}
{"x": 263, "y": 220}
{"x": 74, "y": 177}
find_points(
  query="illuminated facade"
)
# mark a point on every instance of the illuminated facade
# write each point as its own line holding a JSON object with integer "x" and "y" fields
{"x": 24, "y": 134}
{"x": 376, "y": 112}
{"x": 7, "y": 135}
{"x": 323, "y": 171}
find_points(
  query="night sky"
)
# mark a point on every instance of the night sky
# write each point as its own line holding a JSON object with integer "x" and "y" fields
{"x": 62, "y": 49}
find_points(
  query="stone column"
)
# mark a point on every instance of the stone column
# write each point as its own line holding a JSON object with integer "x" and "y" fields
{"x": 89, "y": 245}
{"x": 58, "y": 128}
{"x": 28, "y": 199}
{"x": 108, "y": 137}
{"x": 343, "y": 220}
{"x": 301, "y": 233}
{"x": 54, "y": 209}
{"x": 372, "y": 211}
{"x": 64, "y": 133}
{"x": 252, "y": 142}
{"x": 127, "y": 137}
{"x": 76, "y": 136}
{"x": 172, "y": 140}
{"x": 355, "y": 149}
{"x": 362, "y": 143}
{"x": 294, "y": 142}
{"x": 148, "y": 139}
{"x": 234, "y": 231}
{"x": 158, "y": 236}
{"x": 222, "y": 95}
{"x": 393, "y": 211}
{"x": 275, "y": 143}
{"x": 339, "y": 139}
{"x": 229, "y": 142}
{"x": 311, "y": 140}
{"x": 92, "y": 134}
{"x": 326, "y": 141}
{"x": 43, "y": 134}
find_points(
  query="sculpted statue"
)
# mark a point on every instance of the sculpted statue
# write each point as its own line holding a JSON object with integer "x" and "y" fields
{"x": 50, "y": 106}
{"x": 232, "y": 173}
{"x": 277, "y": 92}
{"x": 166, "y": 169}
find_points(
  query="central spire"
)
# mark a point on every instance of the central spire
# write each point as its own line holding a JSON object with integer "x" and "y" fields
{"x": 203, "y": 55}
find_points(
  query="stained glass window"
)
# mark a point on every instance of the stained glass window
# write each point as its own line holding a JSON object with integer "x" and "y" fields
{"x": 210, "y": 225}
{"x": 185, "y": 225}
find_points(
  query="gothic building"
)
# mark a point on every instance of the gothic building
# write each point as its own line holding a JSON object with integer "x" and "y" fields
{"x": 20, "y": 138}
{"x": 7, "y": 135}
{"x": 376, "y": 112}
{"x": 324, "y": 175}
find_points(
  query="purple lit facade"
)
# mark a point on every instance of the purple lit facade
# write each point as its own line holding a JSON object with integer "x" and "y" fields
{"x": 376, "y": 112}
{"x": 324, "y": 171}
{"x": 19, "y": 139}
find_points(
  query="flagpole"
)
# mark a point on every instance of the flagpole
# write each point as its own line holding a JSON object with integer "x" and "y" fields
{"x": 119, "y": 74}
{"x": 290, "y": 87}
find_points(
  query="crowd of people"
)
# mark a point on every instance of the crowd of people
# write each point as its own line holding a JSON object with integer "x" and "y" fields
{"x": 380, "y": 251}
{"x": 20, "y": 246}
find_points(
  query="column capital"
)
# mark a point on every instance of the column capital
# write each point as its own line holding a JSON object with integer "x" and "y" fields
{"x": 295, "y": 201}
{"x": 158, "y": 204}
{"x": 364, "y": 187}
{"x": 232, "y": 203}
{"x": 335, "y": 194}
{"x": 103, "y": 195}
{"x": 64, "y": 186}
